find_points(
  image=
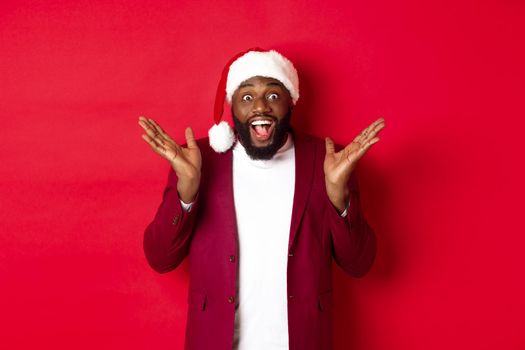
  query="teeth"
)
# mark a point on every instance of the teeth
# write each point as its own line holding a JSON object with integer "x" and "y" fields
{"x": 261, "y": 122}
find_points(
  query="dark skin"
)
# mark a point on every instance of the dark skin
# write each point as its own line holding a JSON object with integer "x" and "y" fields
{"x": 260, "y": 99}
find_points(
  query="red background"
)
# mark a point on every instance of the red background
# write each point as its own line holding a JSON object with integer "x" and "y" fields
{"x": 443, "y": 188}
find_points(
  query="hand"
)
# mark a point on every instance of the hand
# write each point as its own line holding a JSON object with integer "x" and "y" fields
{"x": 186, "y": 161}
{"x": 338, "y": 166}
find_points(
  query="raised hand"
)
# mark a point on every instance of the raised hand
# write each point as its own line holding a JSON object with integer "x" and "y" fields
{"x": 185, "y": 161}
{"x": 339, "y": 165}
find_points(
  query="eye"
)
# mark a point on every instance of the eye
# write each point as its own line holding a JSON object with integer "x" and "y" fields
{"x": 247, "y": 98}
{"x": 273, "y": 96}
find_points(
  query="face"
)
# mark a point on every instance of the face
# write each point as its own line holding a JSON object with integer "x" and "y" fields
{"x": 261, "y": 109}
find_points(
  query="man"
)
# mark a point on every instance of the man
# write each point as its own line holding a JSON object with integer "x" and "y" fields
{"x": 260, "y": 218}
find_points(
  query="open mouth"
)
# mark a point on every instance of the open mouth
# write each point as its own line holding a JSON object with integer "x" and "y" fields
{"x": 261, "y": 128}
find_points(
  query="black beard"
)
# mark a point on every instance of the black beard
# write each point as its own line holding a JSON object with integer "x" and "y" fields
{"x": 279, "y": 136}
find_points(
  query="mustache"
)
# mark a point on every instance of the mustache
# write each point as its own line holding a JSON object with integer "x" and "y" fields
{"x": 249, "y": 120}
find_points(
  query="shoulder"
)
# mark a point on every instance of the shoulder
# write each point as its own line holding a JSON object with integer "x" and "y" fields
{"x": 204, "y": 144}
{"x": 209, "y": 156}
{"x": 309, "y": 141}
{"x": 317, "y": 142}
{"x": 206, "y": 150}
{"x": 309, "y": 152}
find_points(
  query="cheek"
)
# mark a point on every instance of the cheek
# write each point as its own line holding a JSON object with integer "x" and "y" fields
{"x": 238, "y": 111}
{"x": 282, "y": 108}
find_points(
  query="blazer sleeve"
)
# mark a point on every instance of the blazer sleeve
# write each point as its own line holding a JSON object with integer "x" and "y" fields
{"x": 167, "y": 238}
{"x": 353, "y": 240}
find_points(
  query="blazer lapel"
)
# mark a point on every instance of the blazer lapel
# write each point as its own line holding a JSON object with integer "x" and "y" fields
{"x": 305, "y": 154}
{"x": 223, "y": 191}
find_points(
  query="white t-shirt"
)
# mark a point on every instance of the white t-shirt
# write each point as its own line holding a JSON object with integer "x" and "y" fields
{"x": 263, "y": 195}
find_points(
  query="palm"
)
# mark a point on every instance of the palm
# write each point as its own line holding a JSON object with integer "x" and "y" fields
{"x": 183, "y": 159}
{"x": 186, "y": 161}
{"x": 339, "y": 165}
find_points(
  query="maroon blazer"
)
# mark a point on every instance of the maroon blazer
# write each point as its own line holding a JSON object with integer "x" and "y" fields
{"x": 208, "y": 236}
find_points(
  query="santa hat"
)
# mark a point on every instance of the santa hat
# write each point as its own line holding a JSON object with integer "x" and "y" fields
{"x": 243, "y": 66}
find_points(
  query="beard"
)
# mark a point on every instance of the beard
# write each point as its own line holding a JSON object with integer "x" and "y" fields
{"x": 280, "y": 134}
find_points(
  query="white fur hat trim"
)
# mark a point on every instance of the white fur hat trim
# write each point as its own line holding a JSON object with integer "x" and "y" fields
{"x": 270, "y": 64}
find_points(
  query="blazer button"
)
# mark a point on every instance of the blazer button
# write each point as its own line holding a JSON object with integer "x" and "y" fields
{"x": 291, "y": 254}
{"x": 176, "y": 219}
{"x": 232, "y": 258}
{"x": 231, "y": 299}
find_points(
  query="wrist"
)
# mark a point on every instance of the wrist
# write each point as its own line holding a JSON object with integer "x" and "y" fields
{"x": 339, "y": 205}
{"x": 187, "y": 197}
{"x": 338, "y": 196}
{"x": 187, "y": 190}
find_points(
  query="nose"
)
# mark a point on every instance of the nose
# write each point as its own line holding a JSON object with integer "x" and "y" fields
{"x": 260, "y": 106}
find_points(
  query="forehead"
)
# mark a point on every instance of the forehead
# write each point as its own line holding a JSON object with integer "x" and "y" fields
{"x": 258, "y": 81}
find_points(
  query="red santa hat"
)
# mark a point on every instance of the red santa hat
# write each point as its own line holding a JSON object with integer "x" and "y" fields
{"x": 243, "y": 66}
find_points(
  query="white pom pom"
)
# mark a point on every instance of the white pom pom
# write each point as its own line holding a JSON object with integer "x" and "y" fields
{"x": 221, "y": 137}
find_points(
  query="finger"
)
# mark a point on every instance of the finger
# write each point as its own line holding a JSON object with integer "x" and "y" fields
{"x": 146, "y": 124}
{"x": 190, "y": 138}
{"x": 369, "y": 133}
{"x": 160, "y": 130}
{"x": 376, "y": 123}
{"x": 377, "y": 128}
{"x": 364, "y": 134}
{"x": 379, "y": 120}
{"x": 358, "y": 139}
{"x": 153, "y": 133}
{"x": 372, "y": 126}
{"x": 355, "y": 156}
{"x": 154, "y": 145}
{"x": 143, "y": 123}
{"x": 330, "y": 148}
{"x": 369, "y": 144}
{"x": 148, "y": 127}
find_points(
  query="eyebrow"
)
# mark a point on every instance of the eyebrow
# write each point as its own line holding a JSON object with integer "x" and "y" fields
{"x": 244, "y": 85}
